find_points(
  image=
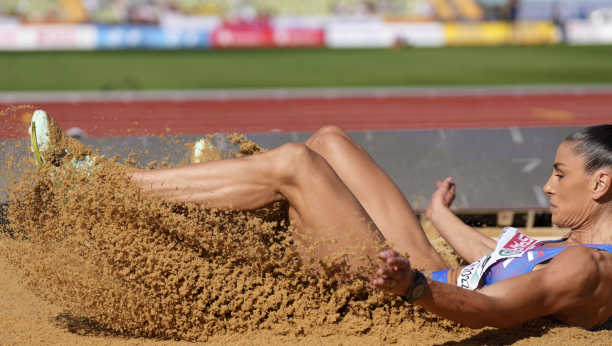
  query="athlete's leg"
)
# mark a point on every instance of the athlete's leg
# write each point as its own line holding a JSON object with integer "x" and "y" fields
{"x": 318, "y": 199}
{"x": 378, "y": 194}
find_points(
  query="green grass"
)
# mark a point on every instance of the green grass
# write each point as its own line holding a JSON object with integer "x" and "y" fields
{"x": 303, "y": 68}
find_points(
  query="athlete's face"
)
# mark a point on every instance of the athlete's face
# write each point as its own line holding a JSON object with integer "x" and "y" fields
{"x": 571, "y": 199}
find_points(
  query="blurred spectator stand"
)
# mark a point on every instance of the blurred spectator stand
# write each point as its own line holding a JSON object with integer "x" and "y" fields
{"x": 195, "y": 24}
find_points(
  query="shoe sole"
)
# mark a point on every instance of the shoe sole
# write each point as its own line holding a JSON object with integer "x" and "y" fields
{"x": 38, "y": 127}
{"x": 200, "y": 147}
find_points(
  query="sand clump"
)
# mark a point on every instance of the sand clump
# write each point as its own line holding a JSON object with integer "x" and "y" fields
{"x": 119, "y": 263}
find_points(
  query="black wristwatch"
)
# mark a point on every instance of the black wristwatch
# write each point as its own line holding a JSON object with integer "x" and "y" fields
{"x": 418, "y": 288}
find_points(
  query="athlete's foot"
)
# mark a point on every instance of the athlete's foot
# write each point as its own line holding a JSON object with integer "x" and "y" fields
{"x": 52, "y": 145}
{"x": 204, "y": 151}
{"x": 69, "y": 160}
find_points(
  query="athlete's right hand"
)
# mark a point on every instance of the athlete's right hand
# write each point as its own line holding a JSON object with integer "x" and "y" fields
{"x": 443, "y": 197}
{"x": 397, "y": 276}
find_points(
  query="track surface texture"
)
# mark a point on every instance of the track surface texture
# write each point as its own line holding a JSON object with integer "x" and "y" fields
{"x": 489, "y": 139}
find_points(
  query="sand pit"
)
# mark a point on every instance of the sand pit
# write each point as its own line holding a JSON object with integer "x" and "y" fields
{"x": 89, "y": 259}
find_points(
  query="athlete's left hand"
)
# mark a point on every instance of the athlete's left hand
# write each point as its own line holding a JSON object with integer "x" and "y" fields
{"x": 397, "y": 276}
{"x": 442, "y": 198}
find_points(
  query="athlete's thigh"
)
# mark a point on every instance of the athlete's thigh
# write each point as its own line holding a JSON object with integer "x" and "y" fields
{"x": 378, "y": 194}
{"x": 323, "y": 208}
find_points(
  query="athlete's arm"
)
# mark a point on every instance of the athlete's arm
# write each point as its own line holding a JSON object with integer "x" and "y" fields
{"x": 572, "y": 279}
{"x": 466, "y": 241}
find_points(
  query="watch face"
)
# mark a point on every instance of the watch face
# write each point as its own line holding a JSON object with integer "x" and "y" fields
{"x": 418, "y": 291}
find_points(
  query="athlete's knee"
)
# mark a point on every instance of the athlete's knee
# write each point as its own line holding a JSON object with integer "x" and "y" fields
{"x": 299, "y": 164}
{"x": 294, "y": 157}
{"x": 331, "y": 129}
{"x": 329, "y": 137}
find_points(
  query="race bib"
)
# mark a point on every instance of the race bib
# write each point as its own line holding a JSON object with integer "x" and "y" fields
{"x": 510, "y": 244}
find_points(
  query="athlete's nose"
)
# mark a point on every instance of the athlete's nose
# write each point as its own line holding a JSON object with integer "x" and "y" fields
{"x": 548, "y": 188}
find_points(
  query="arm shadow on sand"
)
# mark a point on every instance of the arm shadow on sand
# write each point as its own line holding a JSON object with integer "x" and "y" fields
{"x": 532, "y": 329}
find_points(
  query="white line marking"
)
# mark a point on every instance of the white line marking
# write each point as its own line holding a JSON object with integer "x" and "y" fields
{"x": 442, "y": 134}
{"x": 531, "y": 163}
{"x": 294, "y": 137}
{"x": 464, "y": 201}
{"x": 540, "y": 196}
{"x": 516, "y": 135}
{"x": 368, "y": 135}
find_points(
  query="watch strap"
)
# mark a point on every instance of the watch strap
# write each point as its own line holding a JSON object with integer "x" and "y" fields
{"x": 418, "y": 288}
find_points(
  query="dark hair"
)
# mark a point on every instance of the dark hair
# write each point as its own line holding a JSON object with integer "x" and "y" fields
{"x": 594, "y": 144}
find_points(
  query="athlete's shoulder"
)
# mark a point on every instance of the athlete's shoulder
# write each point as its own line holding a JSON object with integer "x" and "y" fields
{"x": 579, "y": 255}
{"x": 585, "y": 265}
{"x": 573, "y": 279}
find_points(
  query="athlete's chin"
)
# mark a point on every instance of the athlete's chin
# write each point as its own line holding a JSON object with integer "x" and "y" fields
{"x": 556, "y": 220}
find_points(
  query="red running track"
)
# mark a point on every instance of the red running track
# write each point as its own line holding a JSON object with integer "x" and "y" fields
{"x": 133, "y": 118}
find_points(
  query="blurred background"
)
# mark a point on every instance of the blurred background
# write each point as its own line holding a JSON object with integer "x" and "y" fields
{"x": 480, "y": 90}
{"x": 104, "y": 24}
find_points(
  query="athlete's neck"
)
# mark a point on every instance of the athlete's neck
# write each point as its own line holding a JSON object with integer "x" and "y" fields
{"x": 597, "y": 231}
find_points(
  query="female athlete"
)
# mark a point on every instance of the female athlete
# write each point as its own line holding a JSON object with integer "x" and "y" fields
{"x": 334, "y": 188}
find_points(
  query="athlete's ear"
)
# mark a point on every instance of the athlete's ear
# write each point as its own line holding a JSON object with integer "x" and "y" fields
{"x": 602, "y": 179}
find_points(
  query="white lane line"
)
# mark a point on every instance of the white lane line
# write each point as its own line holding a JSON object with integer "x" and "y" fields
{"x": 464, "y": 200}
{"x": 301, "y": 93}
{"x": 442, "y": 134}
{"x": 540, "y": 196}
{"x": 294, "y": 137}
{"x": 368, "y": 136}
{"x": 531, "y": 163}
{"x": 517, "y": 136}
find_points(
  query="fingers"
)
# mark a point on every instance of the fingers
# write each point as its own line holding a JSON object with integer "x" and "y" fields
{"x": 448, "y": 186}
{"x": 390, "y": 273}
{"x": 388, "y": 254}
{"x": 396, "y": 264}
{"x": 384, "y": 282}
{"x": 447, "y": 183}
{"x": 451, "y": 192}
{"x": 401, "y": 263}
{"x": 397, "y": 276}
